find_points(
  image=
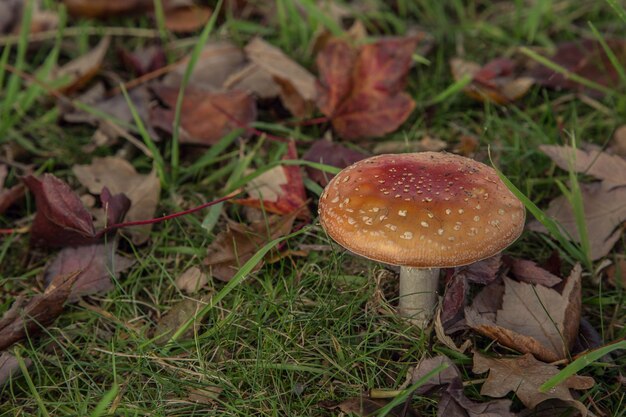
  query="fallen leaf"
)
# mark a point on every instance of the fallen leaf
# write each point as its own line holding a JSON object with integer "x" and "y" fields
{"x": 605, "y": 211}
{"x": 206, "y": 395}
{"x": 534, "y": 319}
{"x": 609, "y": 168}
{"x": 529, "y": 272}
{"x": 187, "y": 18}
{"x": 175, "y": 317}
{"x": 495, "y": 82}
{"x": 217, "y": 62}
{"x": 254, "y": 80}
{"x": 481, "y": 272}
{"x": 106, "y": 8}
{"x": 297, "y": 85}
{"x": 617, "y": 273}
{"x": 279, "y": 190}
{"x": 238, "y": 243}
{"x": 454, "y": 299}
{"x": 61, "y": 219}
{"x": 95, "y": 265}
{"x": 11, "y": 17}
{"x": 28, "y": 318}
{"x": 192, "y": 280}
{"x": 329, "y": 153}
{"x": 8, "y": 196}
{"x": 618, "y": 144}
{"x": 143, "y": 60}
{"x": 206, "y": 117}
{"x": 119, "y": 176}
{"x": 585, "y": 58}
{"x": 77, "y": 73}
{"x": 523, "y": 376}
{"x": 453, "y": 402}
{"x": 9, "y": 366}
{"x": 365, "y": 407}
{"x": 361, "y": 90}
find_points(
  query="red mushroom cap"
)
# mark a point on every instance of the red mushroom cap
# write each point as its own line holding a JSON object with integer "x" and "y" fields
{"x": 425, "y": 210}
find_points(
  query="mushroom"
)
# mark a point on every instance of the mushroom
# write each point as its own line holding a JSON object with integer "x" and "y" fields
{"x": 421, "y": 211}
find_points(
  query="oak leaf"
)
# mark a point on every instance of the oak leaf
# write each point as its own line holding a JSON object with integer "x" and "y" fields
{"x": 533, "y": 318}
{"x": 361, "y": 90}
{"x": 206, "y": 117}
{"x": 523, "y": 376}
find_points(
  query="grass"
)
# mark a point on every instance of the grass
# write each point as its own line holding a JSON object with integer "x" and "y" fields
{"x": 301, "y": 330}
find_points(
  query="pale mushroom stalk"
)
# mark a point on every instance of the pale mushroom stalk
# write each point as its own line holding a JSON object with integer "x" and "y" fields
{"x": 418, "y": 294}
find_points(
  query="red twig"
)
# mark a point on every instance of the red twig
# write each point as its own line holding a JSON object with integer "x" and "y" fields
{"x": 168, "y": 217}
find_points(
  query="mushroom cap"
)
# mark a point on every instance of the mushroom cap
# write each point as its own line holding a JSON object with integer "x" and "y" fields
{"x": 422, "y": 210}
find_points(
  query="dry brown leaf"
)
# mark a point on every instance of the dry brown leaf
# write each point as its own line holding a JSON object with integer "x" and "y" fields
{"x": 365, "y": 407}
{"x": 77, "y": 73}
{"x": 11, "y": 17}
{"x": 618, "y": 144}
{"x": 206, "y": 395}
{"x": 534, "y": 319}
{"x": 187, "y": 18}
{"x": 524, "y": 375}
{"x": 238, "y": 243}
{"x": 531, "y": 273}
{"x": 605, "y": 211}
{"x": 95, "y": 265}
{"x": 329, "y": 153}
{"x": 616, "y": 273}
{"x": 255, "y": 80}
{"x": 27, "y": 318}
{"x": 495, "y": 82}
{"x": 175, "y": 317}
{"x": 117, "y": 174}
{"x": 9, "y": 365}
{"x": 106, "y": 8}
{"x": 297, "y": 85}
{"x": 191, "y": 280}
{"x": 8, "y": 196}
{"x": 611, "y": 169}
{"x": 206, "y": 117}
{"x": 216, "y": 63}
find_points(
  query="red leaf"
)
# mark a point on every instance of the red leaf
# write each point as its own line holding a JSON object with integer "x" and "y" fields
{"x": 61, "y": 219}
{"x": 279, "y": 190}
{"x": 586, "y": 58}
{"x": 362, "y": 92}
{"x": 329, "y": 153}
{"x": 206, "y": 117}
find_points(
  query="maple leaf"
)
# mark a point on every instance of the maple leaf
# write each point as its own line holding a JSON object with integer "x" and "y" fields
{"x": 586, "y": 58}
{"x": 27, "y": 318}
{"x": 206, "y": 117}
{"x": 61, "y": 218}
{"x": 297, "y": 85}
{"x": 279, "y": 190}
{"x": 523, "y": 376}
{"x": 238, "y": 243}
{"x": 119, "y": 176}
{"x": 361, "y": 90}
{"x": 95, "y": 265}
{"x": 495, "y": 82}
{"x": 533, "y": 318}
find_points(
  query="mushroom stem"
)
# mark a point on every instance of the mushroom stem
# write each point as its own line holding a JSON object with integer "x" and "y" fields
{"x": 418, "y": 294}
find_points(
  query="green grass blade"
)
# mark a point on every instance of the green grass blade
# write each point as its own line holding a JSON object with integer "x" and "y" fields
{"x": 195, "y": 56}
{"x": 405, "y": 394}
{"x": 457, "y": 86}
{"x": 615, "y": 62}
{"x": 579, "y": 364}
{"x": 565, "y": 72}
{"x": 240, "y": 276}
{"x": 29, "y": 382}
{"x": 322, "y": 17}
{"x": 104, "y": 402}
{"x": 618, "y": 8}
